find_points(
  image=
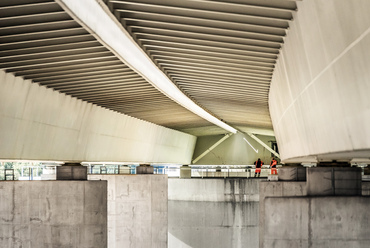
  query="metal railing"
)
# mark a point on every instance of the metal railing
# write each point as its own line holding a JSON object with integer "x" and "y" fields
{"x": 30, "y": 173}
{"x": 197, "y": 172}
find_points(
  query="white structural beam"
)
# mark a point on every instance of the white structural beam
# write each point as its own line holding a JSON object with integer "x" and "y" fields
{"x": 211, "y": 148}
{"x": 263, "y": 144}
{"x": 38, "y": 123}
{"x": 95, "y": 16}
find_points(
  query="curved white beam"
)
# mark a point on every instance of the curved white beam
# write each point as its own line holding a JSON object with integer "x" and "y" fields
{"x": 95, "y": 16}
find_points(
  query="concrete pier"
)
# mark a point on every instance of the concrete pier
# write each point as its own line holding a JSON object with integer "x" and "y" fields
{"x": 54, "y": 214}
{"x": 214, "y": 213}
{"x": 137, "y": 210}
{"x": 243, "y": 213}
{"x": 296, "y": 222}
{"x": 330, "y": 209}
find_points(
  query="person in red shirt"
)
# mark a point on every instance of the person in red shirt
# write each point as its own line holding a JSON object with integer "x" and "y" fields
{"x": 258, "y": 165}
{"x": 273, "y": 164}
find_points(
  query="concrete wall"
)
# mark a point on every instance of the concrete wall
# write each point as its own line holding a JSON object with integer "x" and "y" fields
{"x": 214, "y": 213}
{"x": 275, "y": 189}
{"x": 365, "y": 188}
{"x": 54, "y": 214}
{"x": 318, "y": 100}
{"x": 212, "y": 224}
{"x": 231, "y": 212}
{"x": 233, "y": 151}
{"x": 213, "y": 190}
{"x": 137, "y": 210}
{"x": 338, "y": 222}
{"x": 42, "y": 124}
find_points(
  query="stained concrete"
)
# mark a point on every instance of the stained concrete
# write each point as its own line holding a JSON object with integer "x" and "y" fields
{"x": 214, "y": 190}
{"x": 222, "y": 213}
{"x": 137, "y": 210}
{"x": 212, "y": 224}
{"x": 366, "y": 188}
{"x": 57, "y": 214}
{"x": 290, "y": 173}
{"x": 276, "y": 189}
{"x": 296, "y": 222}
{"x": 215, "y": 213}
{"x": 288, "y": 190}
{"x": 71, "y": 172}
{"x": 333, "y": 181}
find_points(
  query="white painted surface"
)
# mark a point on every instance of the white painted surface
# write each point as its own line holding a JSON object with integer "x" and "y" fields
{"x": 43, "y": 124}
{"x": 319, "y": 97}
{"x": 96, "y": 17}
{"x": 137, "y": 210}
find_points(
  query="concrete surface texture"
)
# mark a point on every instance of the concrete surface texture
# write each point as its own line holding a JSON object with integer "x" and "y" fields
{"x": 334, "y": 181}
{"x": 71, "y": 172}
{"x": 145, "y": 169}
{"x": 213, "y": 190}
{"x": 295, "y": 222}
{"x": 212, "y": 224}
{"x": 292, "y": 173}
{"x": 137, "y": 210}
{"x": 185, "y": 171}
{"x": 56, "y": 214}
{"x": 68, "y": 129}
{"x": 233, "y": 150}
{"x": 366, "y": 188}
{"x": 275, "y": 189}
{"x": 215, "y": 213}
{"x": 318, "y": 99}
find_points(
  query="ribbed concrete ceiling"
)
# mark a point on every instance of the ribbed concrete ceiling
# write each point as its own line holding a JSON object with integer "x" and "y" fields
{"x": 220, "y": 53}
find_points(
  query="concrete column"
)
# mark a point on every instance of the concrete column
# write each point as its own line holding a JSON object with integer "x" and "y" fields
{"x": 185, "y": 171}
{"x": 137, "y": 210}
{"x": 72, "y": 171}
{"x": 53, "y": 214}
{"x": 298, "y": 215}
{"x": 331, "y": 181}
{"x": 144, "y": 169}
{"x": 292, "y": 173}
{"x": 49, "y": 172}
{"x": 124, "y": 169}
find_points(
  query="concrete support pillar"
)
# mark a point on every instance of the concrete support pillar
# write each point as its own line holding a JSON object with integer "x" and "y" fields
{"x": 53, "y": 214}
{"x": 292, "y": 173}
{"x": 49, "y": 172}
{"x": 144, "y": 169}
{"x": 72, "y": 171}
{"x": 137, "y": 210}
{"x": 331, "y": 181}
{"x": 124, "y": 169}
{"x": 185, "y": 171}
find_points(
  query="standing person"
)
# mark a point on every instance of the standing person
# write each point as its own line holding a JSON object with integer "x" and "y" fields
{"x": 273, "y": 164}
{"x": 258, "y": 165}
